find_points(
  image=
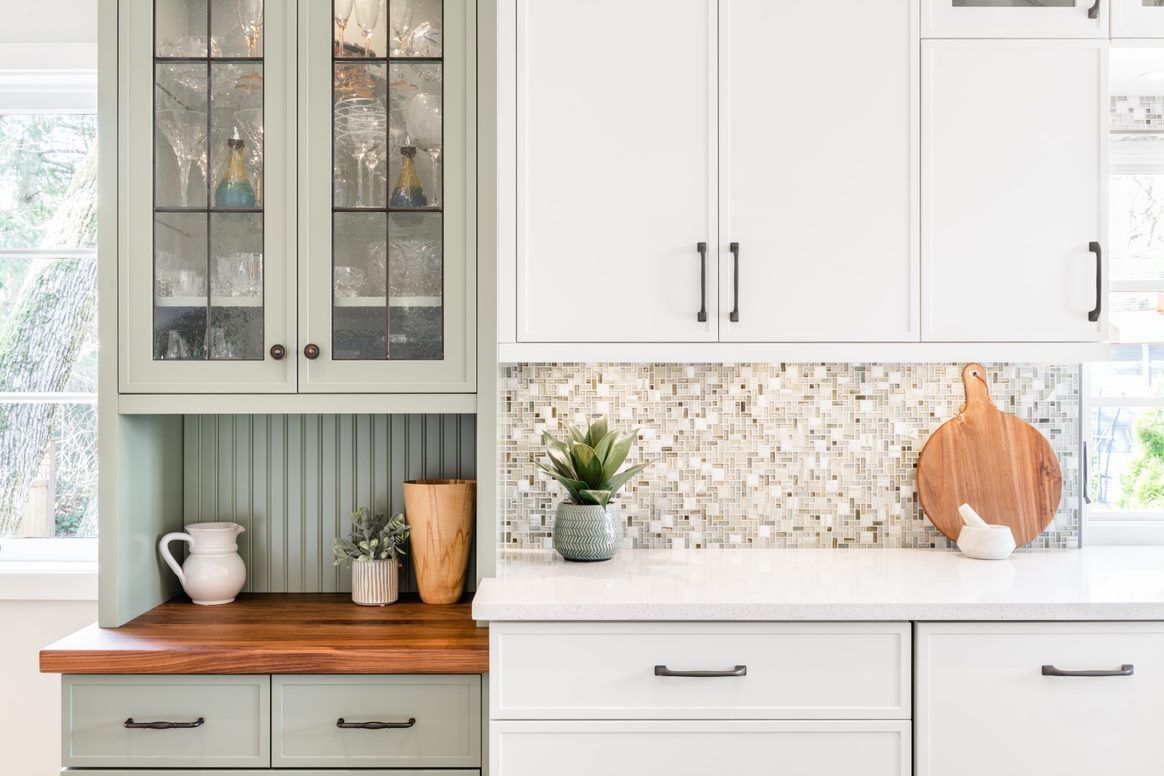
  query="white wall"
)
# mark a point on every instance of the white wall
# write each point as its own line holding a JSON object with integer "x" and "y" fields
{"x": 30, "y": 702}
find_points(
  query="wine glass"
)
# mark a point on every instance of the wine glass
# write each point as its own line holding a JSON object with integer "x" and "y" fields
{"x": 342, "y": 11}
{"x": 367, "y": 16}
{"x": 185, "y": 130}
{"x": 408, "y": 38}
{"x": 361, "y": 125}
{"x": 423, "y": 115}
{"x": 250, "y": 121}
{"x": 250, "y": 18}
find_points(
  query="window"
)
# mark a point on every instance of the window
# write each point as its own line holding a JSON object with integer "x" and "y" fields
{"x": 1123, "y": 407}
{"x": 48, "y": 300}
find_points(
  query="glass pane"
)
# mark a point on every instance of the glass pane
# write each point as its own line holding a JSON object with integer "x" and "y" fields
{"x": 416, "y": 136}
{"x": 236, "y": 134}
{"x": 360, "y": 131}
{"x": 237, "y": 28}
{"x": 180, "y": 285}
{"x": 1134, "y": 371}
{"x": 360, "y": 28}
{"x": 181, "y": 126}
{"x": 360, "y": 293}
{"x": 236, "y": 286}
{"x": 1014, "y": 3}
{"x": 1137, "y": 227}
{"x": 415, "y": 287}
{"x": 1126, "y": 466}
{"x": 415, "y": 28}
{"x": 1137, "y": 316}
{"x": 1154, "y": 3}
{"x": 40, "y": 156}
{"x": 61, "y": 492}
{"x": 180, "y": 28}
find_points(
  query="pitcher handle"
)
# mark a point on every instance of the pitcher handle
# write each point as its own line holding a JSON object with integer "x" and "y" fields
{"x": 164, "y": 549}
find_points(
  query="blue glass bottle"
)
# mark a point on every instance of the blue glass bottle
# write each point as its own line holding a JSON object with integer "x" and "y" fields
{"x": 408, "y": 192}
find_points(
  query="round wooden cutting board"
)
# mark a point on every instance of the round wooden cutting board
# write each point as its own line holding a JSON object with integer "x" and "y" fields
{"x": 998, "y": 464}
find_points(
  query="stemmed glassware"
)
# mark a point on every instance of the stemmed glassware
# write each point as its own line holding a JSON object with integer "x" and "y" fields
{"x": 250, "y": 18}
{"x": 361, "y": 126}
{"x": 342, "y": 10}
{"x": 409, "y": 38}
{"x": 367, "y": 16}
{"x": 423, "y": 116}
{"x": 185, "y": 130}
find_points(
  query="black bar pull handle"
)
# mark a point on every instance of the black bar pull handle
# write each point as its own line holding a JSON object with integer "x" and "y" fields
{"x": 339, "y": 723}
{"x": 736, "y": 671}
{"x": 1127, "y": 669}
{"x": 1093, "y": 11}
{"x": 131, "y": 725}
{"x": 701, "y": 316}
{"x": 1086, "y": 476}
{"x": 735, "y": 314}
{"x": 1097, "y": 249}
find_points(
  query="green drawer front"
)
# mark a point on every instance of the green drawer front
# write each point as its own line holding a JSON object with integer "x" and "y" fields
{"x": 447, "y": 732}
{"x": 236, "y": 731}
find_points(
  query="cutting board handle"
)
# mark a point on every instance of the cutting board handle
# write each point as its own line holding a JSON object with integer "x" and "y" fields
{"x": 977, "y": 392}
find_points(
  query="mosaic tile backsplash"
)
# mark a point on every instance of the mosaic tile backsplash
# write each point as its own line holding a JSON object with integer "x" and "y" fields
{"x": 769, "y": 455}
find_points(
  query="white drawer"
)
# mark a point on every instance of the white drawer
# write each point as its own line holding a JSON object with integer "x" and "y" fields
{"x": 985, "y": 705}
{"x": 612, "y": 670}
{"x": 700, "y": 748}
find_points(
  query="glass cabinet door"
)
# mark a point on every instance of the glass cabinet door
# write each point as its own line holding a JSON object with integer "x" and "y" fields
{"x": 1137, "y": 18}
{"x": 389, "y": 297}
{"x": 1015, "y": 18}
{"x": 211, "y": 255}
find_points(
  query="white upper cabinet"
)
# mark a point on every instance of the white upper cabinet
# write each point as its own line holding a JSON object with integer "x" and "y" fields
{"x": 1015, "y": 18}
{"x": 1137, "y": 19}
{"x": 616, "y": 182}
{"x": 1013, "y": 163}
{"x": 818, "y": 171}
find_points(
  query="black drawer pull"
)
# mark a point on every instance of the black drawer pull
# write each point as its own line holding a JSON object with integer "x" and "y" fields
{"x": 339, "y": 723}
{"x": 1093, "y": 11}
{"x": 734, "y": 316}
{"x": 701, "y": 316}
{"x": 1095, "y": 248}
{"x": 737, "y": 671}
{"x": 131, "y": 725}
{"x": 1127, "y": 669}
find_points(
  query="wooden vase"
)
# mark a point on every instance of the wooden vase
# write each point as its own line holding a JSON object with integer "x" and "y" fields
{"x": 440, "y": 516}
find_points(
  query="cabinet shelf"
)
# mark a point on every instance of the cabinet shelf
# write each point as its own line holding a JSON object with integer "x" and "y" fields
{"x": 396, "y": 301}
{"x": 200, "y": 301}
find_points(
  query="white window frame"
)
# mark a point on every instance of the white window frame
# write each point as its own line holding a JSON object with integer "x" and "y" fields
{"x": 1119, "y": 526}
{"x": 33, "y": 82}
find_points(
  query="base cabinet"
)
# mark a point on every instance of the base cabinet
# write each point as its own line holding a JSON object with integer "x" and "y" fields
{"x": 1072, "y": 699}
{"x": 697, "y": 748}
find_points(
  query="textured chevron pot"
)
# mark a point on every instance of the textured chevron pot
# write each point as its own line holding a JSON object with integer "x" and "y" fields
{"x": 587, "y": 532}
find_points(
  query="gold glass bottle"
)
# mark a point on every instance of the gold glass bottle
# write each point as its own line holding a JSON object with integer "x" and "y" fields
{"x": 408, "y": 192}
{"x": 234, "y": 190}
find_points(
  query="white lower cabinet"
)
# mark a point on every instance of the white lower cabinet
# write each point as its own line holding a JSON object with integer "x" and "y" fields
{"x": 700, "y": 747}
{"x": 1070, "y": 699}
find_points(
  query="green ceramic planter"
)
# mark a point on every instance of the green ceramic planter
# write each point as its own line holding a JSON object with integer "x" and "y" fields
{"x": 587, "y": 532}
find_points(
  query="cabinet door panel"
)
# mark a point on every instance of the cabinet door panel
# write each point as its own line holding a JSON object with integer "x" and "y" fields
{"x": 615, "y": 180}
{"x": 818, "y": 174}
{"x": 984, "y": 682}
{"x": 388, "y": 300}
{"x": 1137, "y": 19}
{"x": 697, "y": 748}
{"x": 1013, "y": 178}
{"x": 206, "y": 141}
{"x": 1014, "y": 18}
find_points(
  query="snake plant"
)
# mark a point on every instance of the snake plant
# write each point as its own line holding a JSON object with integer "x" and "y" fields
{"x": 587, "y": 463}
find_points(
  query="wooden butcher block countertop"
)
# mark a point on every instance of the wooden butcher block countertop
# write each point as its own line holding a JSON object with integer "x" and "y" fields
{"x": 280, "y": 634}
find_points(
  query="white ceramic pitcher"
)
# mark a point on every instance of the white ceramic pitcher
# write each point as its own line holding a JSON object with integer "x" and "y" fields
{"x": 213, "y": 573}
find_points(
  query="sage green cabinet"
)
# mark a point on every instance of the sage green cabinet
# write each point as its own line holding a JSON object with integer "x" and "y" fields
{"x": 216, "y": 721}
{"x": 264, "y": 245}
{"x": 435, "y": 721}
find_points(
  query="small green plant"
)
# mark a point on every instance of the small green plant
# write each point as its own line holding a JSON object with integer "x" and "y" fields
{"x": 587, "y": 464}
{"x": 374, "y": 537}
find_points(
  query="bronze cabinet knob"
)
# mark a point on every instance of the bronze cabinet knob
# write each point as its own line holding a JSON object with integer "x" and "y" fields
{"x": 277, "y": 352}
{"x": 311, "y": 351}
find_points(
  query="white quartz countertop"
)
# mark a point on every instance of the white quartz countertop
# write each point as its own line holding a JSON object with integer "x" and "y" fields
{"x": 1095, "y": 583}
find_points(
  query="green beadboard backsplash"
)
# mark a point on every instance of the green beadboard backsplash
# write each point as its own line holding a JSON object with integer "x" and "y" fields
{"x": 293, "y": 481}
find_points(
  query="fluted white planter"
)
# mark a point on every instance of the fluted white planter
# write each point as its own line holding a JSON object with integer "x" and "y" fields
{"x": 375, "y": 582}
